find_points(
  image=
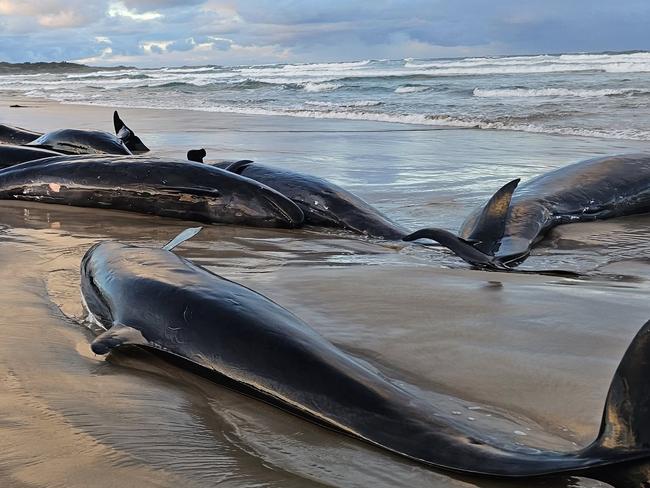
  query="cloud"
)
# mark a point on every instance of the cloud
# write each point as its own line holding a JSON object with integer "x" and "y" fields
{"x": 118, "y": 9}
{"x": 65, "y": 18}
{"x": 170, "y": 32}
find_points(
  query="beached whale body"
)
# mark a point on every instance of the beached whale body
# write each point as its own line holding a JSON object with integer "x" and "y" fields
{"x": 158, "y": 186}
{"x": 11, "y": 155}
{"x": 502, "y": 233}
{"x": 16, "y": 135}
{"x": 229, "y": 333}
{"x": 78, "y": 141}
{"x": 323, "y": 203}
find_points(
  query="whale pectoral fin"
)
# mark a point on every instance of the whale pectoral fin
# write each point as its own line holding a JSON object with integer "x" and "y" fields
{"x": 116, "y": 336}
{"x": 491, "y": 223}
{"x": 196, "y": 155}
{"x": 239, "y": 166}
{"x": 182, "y": 237}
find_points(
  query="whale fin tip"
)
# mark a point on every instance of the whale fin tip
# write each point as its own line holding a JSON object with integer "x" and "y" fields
{"x": 182, "y": 237}
{"x": 116, "y": 336}
{"x": 117, "y": 122}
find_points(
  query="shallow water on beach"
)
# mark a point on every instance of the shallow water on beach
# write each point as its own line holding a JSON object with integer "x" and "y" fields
{"x": 528, "y": 355}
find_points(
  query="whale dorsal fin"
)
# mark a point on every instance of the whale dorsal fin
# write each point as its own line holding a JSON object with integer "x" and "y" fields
{"x": 196, "y": 155}
{"x": 127, "y": 136}
{"x": 491, "y": 223}
{"x": 116, "y": 336}
{"x": 239, "y": 166}
{"x": 182, "y": 237}
{"x": 625, "y": 423}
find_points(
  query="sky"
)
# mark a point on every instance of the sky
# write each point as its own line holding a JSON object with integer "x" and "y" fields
{"x": 151, "y": 33}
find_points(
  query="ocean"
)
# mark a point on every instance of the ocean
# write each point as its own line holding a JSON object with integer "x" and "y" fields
{"x": 594, "y": 95}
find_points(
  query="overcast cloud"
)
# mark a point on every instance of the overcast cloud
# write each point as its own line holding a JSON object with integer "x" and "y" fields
{"x": 189, "y": 32}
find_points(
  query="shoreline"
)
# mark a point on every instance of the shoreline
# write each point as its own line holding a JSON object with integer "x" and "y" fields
{"x": 324, "y": 121}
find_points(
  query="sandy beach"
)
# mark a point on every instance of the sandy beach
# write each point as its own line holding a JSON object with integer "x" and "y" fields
{"x": 527, "y": 350}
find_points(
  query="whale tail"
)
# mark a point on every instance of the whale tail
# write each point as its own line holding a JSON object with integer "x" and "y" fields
{"x": 481, "y": 244}
{"x": 463, "y": 248}
{"x": 127, "y": 136}
{"x": 625, "y": 427}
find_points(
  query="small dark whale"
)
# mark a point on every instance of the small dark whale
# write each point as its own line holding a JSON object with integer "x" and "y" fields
{"x": 323, "y": 203}
{"x": 17, "y": 135}
{"x": 78, "y": 141}
{"x": 501, "y": 234}
{"x": 157, "y": 300}
{"x": 159, "y": 186}
{"x": 11, "y": 155}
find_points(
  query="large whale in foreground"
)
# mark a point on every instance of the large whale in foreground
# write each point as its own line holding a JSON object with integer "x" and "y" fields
{"x": 323, "y": 203}
{"x": 501, "y": 234}
{"x": 150, "y": 185}
{"x": 157, "y": 300}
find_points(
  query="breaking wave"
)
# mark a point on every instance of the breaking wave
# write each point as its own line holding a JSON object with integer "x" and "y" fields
{"x": 552, "y": 92}
{"x": 586, "y": 95}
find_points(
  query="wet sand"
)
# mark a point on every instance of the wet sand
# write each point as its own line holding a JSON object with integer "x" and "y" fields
{"x": 527, "y": 356}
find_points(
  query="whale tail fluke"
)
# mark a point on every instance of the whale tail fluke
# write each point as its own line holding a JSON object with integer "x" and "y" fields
{"x": 464, "y": 248}
{"x": 481, "y": 244}
{"x": 127, "y": 136}
{"x": 625, "y": 426}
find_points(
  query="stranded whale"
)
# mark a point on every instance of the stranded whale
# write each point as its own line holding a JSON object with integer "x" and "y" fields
{"x": 323, "y": 203}
{"x": 78, "y": 141}
{"x": 159, "y": 186}
{"x": 17, "y": 135}
{"x": 502, "y": 233}
{"x": 11, "y": 155}
{"x": 157, "y": 300}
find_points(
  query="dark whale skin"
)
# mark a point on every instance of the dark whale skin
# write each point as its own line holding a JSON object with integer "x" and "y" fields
{"x": 79, "y": 141}
{"x": 11, "y": 155}
{"x": 157, "y": 300}
{"x": 150, "y": 185}
{"x": 324, "y": 203}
